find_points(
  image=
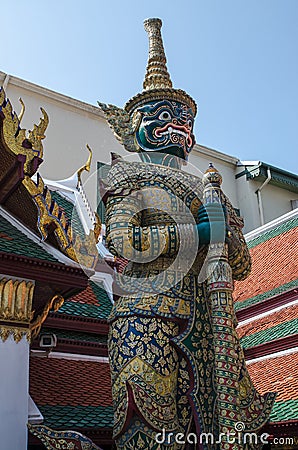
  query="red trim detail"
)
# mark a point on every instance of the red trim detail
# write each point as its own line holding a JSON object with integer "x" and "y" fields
{"x": 65, "y": 322}
{"x": 77, "y": 347}
{"x": 40, "y": 270}
{"x": 287, "y": 428}
{"x": 267, "y": 305}
{"x": 271, "y": 347}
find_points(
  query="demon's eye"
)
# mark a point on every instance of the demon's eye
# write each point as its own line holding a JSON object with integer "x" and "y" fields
{"x": 189, "y": 123}
{"x": 165, "y": 115}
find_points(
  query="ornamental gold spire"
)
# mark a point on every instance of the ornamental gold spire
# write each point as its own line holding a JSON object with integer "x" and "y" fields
{"x": 157, "y": 83}
{"x": 157, "y": 75}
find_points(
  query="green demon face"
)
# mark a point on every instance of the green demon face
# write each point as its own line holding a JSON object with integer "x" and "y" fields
{"x": 166, "y": 126}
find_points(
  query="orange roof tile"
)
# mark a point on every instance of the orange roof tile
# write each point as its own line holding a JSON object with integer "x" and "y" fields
{"x": 67, "y": 382}
{"x": 276, "y": 318}
{"x": 87, "y": 296}
{"x": 272, "y": 266}
{"x": 277, "y": 375}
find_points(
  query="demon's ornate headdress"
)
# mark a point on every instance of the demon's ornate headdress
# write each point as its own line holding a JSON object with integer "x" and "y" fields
{"x": 157, "y": 86}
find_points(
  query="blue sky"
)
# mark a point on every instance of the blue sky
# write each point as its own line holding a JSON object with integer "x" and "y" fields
{"x": 236, "y": 58}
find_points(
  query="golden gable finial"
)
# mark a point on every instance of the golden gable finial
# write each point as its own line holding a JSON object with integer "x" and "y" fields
{"x": 20, "y": 116}
{"x": 86, "y": 166}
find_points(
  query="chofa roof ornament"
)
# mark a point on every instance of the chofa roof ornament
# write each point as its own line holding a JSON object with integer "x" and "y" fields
{"x": 157, "y": 83}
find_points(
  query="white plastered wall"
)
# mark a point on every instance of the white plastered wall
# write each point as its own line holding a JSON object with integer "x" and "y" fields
{"x": 14, "y": 379}
{"x": 275, "y": 200}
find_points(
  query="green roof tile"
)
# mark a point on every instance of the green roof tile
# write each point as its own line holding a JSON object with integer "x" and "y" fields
{"x": 80, "y": 309}
{"x": 287, "y": 410}
{"x": 282, "y": 228}
{"x": 14, "y": 241}
{"x": 100, "y": 311}
{"x": 68, "y": 417}
{"x": 103, "y": 298}
{"x": 270, "y": 334}
{"x": 265, "y": 295}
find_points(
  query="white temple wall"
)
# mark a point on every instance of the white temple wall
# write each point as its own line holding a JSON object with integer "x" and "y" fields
{"x": 14, "y": 382}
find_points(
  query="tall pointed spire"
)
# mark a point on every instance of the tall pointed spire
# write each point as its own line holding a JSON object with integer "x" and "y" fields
{"x": 157, "y": 84}
{"x": 157, "y": 75}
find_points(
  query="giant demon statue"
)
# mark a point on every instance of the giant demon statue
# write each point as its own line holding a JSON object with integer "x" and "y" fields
{"x": 178, "y": 371}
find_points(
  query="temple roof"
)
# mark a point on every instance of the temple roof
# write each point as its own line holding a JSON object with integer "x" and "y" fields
{"x": 273, "y": 271}
{"x": 15, "y": 242}
{"x": 267, "y": 310}
{"x": 24, "y": 194}
{"x": 71, "y": 386}
{"x": 276, "y": 325}
{"x": 279, "y": 374}
{"x": 72, "y": 393}
{"x": 92, "y": 303}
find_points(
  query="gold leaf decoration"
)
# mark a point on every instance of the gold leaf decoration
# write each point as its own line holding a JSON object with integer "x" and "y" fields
{"x": 15, "y": 137}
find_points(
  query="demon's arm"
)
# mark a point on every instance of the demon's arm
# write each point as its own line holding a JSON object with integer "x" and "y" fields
{"x": 127, "y": 237}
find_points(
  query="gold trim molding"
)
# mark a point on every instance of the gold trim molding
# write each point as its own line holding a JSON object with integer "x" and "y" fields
{"x": 16, "y": 298}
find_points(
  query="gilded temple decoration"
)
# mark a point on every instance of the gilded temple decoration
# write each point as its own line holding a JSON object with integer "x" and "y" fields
{"x": 37, "y": 134}
{"x": 86, "y": 166}
{"x": 50, "y": 216}
{"x": 54, "y": 304}
{"x": 52, "y": 220}
{"x": 22, "y": 112}
{"x": 97, "y": 227}
{"x": 15, "y": 308}
{"x": 17, "y": 140}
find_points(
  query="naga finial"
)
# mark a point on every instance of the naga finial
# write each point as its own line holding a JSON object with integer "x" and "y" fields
{"x": 20, "y": 116}
{"x": 86, "y": 166}
{"x": 157, "y": 75}
{"x": 37, "y": 134}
